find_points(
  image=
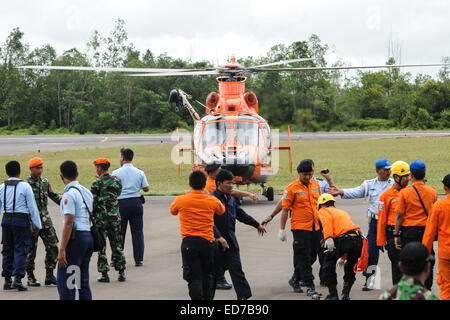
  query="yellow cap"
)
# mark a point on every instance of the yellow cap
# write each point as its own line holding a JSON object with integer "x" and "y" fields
{"x": 324, "y": 198}
{"x": 400, "y": 168}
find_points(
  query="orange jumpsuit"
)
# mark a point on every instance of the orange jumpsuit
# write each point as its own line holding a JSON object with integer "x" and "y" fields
{"x": 439, "y": 221}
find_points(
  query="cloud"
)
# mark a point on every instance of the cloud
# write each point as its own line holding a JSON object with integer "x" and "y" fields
{"x": 212, "y": 30}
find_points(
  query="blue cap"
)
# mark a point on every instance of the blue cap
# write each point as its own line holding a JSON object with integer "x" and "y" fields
{"x": 382, "y": 164}
{"x": 418, "y": 166}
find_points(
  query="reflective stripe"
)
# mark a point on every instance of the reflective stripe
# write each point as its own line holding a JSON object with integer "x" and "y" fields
{"x": 300, "y": 193}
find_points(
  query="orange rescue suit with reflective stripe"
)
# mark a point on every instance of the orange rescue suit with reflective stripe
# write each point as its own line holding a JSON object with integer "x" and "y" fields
{"x": 302, "y": 200}
{"x": 439, "y": 220}
{"x": 387, "y": 211}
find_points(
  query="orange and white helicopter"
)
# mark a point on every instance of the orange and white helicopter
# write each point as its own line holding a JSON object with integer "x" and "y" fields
{"x": 232, "y": 133}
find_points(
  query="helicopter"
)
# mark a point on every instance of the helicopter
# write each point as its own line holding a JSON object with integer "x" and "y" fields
{"x": 231, "y": 133}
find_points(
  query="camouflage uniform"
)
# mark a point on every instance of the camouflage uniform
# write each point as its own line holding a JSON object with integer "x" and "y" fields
{"x": 105, "y": 190}
{"x": 42, "y": 191}
{"x": 408, "y": 289}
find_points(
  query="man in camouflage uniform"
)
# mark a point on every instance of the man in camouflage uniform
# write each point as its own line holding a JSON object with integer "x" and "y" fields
{"x": 106, "y": 189}
{"x": 415, "y": 264}
{"x": 42, "y": 191}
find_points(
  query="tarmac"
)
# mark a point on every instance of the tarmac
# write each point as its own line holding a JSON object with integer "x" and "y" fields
{"x": 12, "y": 145}
{"x": 267, "y": 262}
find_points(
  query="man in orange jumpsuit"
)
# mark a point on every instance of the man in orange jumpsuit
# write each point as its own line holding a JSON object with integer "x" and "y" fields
{"x": 387, "y": 209}
{"x": 342, "y": 237}
{"x": 301, "y": 197}
{"x": 196, "y": 210}
{"x": 439, "y": 221}
{"x": 414, "y": 205}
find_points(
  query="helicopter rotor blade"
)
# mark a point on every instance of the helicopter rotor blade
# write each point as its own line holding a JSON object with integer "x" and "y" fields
{"x": 105, "y": 69}
{"x": 280, "y": 62}
{"x": 350, "y": 67}
{"x": 164, "y": 74}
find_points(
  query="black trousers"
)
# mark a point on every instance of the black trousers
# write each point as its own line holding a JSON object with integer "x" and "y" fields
{"x": 318, "y": 253}
{"x": 351, "y": 246}
{"x": 198, "y": 267}
{"x": 393, "y": 254}
{"x": 231, "y": 260}
{"x": 306, "y": 246}
{"x": 410, "y": 234}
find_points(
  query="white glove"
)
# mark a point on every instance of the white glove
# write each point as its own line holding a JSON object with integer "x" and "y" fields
{"x": 340, "y": 263}
{"x": 329, "y": 245}
{"x": 282, "y": 235}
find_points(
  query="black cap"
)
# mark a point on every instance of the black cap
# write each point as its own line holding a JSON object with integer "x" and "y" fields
{"x": 212, "y": 167}
{"x": 305, "y": 165}
{"x": 414, "y": 253}
{"x": 446, "y": 181}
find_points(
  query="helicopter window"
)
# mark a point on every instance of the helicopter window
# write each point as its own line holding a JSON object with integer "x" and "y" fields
{"x": 246, "y": 132}
{"x": 216, "y": 133}
{"x": 267, "y": 134}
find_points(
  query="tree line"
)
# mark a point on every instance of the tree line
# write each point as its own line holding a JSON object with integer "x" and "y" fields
{"x": 42, "y": 101}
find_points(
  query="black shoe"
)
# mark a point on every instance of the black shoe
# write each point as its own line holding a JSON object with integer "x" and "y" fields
{"x": 295, "y": 285}
{"x": 223, "y": 285}
{"x": 17, "y": 284}
{"x": 302, "y": 284}
{"x": 50, "y": 279}
{"x": 122, "y": 276}
{"x": 346, "y": 290}
{"x": 139, "y": 264}
{"x": 332, "y": 297}
{"x": 311, "y": 291}
{"x": 104, "y": 277}
{"x": 32, "y": 282}
{"x": 7, "y": 284}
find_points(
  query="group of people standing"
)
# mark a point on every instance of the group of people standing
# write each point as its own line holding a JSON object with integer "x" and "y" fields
{"x": 404, "y": 220}
{"x": 113, "y": 201}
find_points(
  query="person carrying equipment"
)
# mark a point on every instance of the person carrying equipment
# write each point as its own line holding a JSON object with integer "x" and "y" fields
{"x": 341, "y": 237}
{"x": 414, "y": 204}
{"x": 387, "y": 209}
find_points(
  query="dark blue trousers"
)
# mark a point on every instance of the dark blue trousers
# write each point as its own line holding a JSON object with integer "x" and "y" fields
{"x": 131, "y": 210}
{"x": 76, "y": 274}
{"x": 231, "y": 261}
{"x": 15, "y": 244}
{"x": 373, "y": 251}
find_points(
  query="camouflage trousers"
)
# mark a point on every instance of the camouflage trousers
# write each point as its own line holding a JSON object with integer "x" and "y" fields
{"x": 111, "y": 230}
{"x": 50, "y": 239}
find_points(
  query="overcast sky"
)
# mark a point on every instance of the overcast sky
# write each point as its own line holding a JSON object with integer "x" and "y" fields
{"x": 357, "y": 31}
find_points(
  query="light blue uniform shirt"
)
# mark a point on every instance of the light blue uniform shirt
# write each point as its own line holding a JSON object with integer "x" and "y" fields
{"x": 72, "y": 203}
{"x": 25, "y": 201}
{"x": 323, "y": 184}
{"x": 372, "y": 189}
{"x": 133, "y": 180}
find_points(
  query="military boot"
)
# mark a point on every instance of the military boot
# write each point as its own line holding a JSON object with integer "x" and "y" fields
{"x": 17, "y": 284}
{"x": 7, "y": 284}
{"x": 346, "y": 290}
{"x": 222, "y": 283}
{"x": 50, "y": 279}
{"x": 32, "y": 281}
{"x": 333, "y": 294}
{"x": 104, "y": 277}
{"x": 122, "y": 276}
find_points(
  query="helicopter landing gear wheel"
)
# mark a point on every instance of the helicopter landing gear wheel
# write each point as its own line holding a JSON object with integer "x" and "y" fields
{"x": 267, "y": 192}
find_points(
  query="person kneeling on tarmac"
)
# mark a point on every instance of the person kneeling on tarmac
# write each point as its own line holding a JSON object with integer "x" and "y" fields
{"x": 341, "y": 237}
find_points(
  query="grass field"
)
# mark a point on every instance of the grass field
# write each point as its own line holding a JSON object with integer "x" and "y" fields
{"x": 350, "y": 162}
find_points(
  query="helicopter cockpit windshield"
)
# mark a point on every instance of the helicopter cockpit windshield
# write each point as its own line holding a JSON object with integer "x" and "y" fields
{"x": 239, "y": 139}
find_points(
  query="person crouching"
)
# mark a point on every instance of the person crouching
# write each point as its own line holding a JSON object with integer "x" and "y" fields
{"x": 341, "y": 237}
